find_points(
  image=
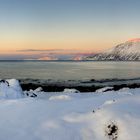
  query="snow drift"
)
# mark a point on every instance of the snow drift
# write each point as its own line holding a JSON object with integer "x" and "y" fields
{"x": 103, "y": 115}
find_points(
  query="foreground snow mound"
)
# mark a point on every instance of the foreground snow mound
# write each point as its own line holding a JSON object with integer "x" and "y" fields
{"x": 86, "y": 116}
{"x": 10, "y": 89}
{"x": 118, "y": 121}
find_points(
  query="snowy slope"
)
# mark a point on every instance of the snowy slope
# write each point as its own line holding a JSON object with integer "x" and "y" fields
{"x": 71, "y": 116}
{"x": 129, "y": 50}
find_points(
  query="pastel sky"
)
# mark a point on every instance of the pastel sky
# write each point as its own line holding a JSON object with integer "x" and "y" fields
{"x": 33, "y": 29}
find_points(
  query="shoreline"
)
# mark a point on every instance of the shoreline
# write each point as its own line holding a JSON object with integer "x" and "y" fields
{"x": 92, "y": 85}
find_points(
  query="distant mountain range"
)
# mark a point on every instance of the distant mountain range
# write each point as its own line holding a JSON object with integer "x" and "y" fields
{"x": 128, "y": 51}
{"x": 74, "y": 57}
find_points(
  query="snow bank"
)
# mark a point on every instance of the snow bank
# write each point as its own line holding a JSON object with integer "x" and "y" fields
{"x": 39, "y": 89}
{"x": 64, "y": 116}
{"x": 67, "y": 90}
{"x": 124, "y": 89}
{"x": 34, "y": 93}
{"x": 10, "y": 89}
{"x": 104, "y": 89}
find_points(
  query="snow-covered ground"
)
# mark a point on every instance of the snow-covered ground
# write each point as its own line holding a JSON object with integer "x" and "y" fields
{"x": 68, "y": 116}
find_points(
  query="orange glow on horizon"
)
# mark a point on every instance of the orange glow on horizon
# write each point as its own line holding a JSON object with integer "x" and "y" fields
{"x": 18, "y": 47}
{"x": 134, "y": 40}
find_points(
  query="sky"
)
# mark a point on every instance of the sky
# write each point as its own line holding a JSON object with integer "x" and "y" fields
{"x": 48, "y": 29}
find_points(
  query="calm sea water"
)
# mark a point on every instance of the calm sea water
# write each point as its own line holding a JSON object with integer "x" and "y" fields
{"x": 69, "y": 70}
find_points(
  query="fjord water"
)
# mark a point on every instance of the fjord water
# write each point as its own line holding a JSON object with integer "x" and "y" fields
{"x": 63, "y": 70}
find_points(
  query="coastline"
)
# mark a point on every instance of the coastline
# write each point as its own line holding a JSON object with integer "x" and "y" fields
{"x": 92, "y": 85}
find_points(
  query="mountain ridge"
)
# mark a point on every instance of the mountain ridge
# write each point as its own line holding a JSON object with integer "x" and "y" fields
{"x": 127, "y": 51}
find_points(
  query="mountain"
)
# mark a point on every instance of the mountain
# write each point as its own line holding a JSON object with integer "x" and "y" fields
{"x": 74, "y": 57}
{"x": 81, "y": 56}
{"x": 47, "y": 58}
{"x": 128, "y": 51}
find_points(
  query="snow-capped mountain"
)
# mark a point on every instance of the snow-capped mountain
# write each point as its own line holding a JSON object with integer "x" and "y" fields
{"x": 128, "y": 51}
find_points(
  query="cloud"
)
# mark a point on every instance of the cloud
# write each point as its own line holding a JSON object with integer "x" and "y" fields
{"x": 61, "y": 51}
{"x": 40, "y": 50}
